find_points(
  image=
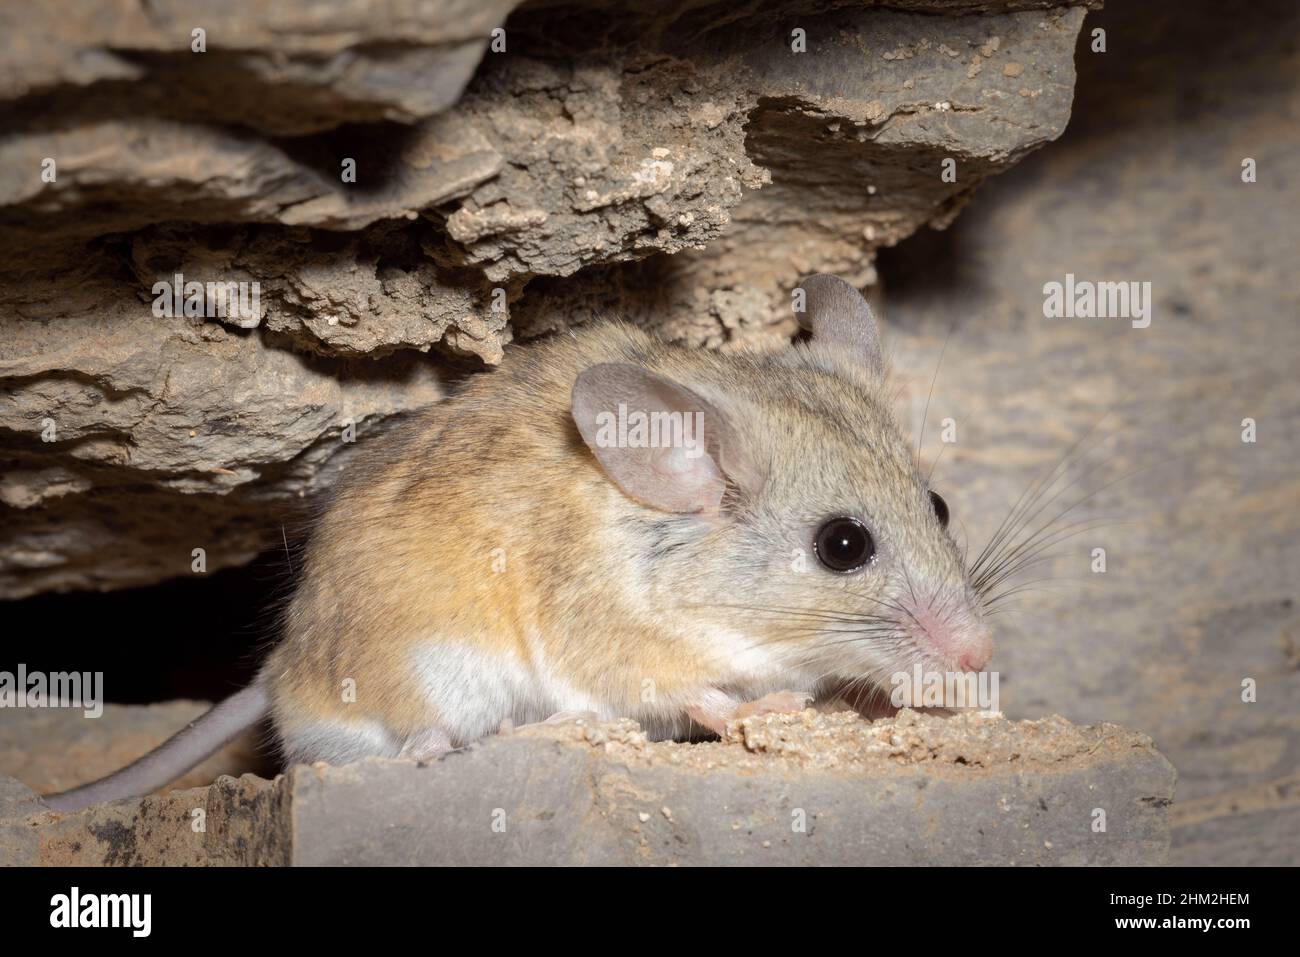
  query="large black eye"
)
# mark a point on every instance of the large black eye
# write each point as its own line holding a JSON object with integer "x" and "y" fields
{"x": 940, "y": 508}
{"x": 844, "y": 544}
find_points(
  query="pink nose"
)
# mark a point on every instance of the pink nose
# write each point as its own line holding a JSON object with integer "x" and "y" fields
{"x": 959, "y": 639}
{"x": 977, "y": 653}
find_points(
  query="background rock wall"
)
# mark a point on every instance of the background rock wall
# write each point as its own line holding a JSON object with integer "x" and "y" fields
{"x": 1202, "y": 579}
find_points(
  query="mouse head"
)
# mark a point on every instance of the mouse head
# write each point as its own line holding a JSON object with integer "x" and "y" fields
{"x": 779, "y": 499}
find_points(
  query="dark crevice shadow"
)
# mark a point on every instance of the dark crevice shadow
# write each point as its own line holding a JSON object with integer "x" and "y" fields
{"x": 199, "y": 637}
{"x": 925, "y": 272}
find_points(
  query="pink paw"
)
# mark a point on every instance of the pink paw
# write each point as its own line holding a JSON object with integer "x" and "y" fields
{"x": 778, "y": 702}
{"x": 714, "y": 715}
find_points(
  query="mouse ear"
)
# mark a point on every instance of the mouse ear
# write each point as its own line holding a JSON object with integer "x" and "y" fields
{"x": 662, "y": 444}
{"x": 839, "y": 316}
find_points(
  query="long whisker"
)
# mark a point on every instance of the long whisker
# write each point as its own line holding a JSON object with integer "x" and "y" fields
{"x": 1031, "y": 493}
{"x": 1044, "y": 538}
{"x": 1027, "y": 518}
{"x": 920, "y": 435}
{"x": 1009, "y": 552}
{"x": 961, "y": 423}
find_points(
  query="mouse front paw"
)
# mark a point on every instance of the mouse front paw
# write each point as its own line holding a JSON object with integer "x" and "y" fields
{"x": 778, "y": 702}
{"x": 715, "y": 712}
{"x": 560, "y": 717}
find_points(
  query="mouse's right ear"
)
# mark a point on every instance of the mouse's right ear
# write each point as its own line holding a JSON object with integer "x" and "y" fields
{"x": 840, "y": 319}
{"x": 661, "y": 443}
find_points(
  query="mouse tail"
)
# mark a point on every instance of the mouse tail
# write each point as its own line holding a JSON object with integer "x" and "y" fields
{"x": 198, "y": 740}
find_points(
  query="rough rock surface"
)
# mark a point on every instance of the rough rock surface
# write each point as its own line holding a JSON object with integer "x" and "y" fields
{"x": 296, "y": 68}
{"x": 682, "y": 167}
{"x": 779, "y": 789}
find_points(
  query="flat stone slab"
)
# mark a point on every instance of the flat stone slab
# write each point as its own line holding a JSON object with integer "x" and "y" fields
{"x": 810, "y": 788}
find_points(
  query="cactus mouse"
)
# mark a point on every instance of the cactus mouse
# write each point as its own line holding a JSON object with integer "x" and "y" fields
{"x": 530, "y": 547}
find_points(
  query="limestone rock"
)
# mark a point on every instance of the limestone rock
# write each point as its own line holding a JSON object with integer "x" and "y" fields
{"x": 780, "y": 790}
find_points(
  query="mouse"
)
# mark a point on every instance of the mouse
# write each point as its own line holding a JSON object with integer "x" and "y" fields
{"x": 614, "y": 525}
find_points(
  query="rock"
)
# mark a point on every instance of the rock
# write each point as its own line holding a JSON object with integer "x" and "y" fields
{"x": 678, "y": 167}
{"x": 169, "y": 435}
{"x": 232, "y": 822}
{"x": 119, "y": 175}
{"x": 19, "y": 806}
{"x": 774, "y": 215}
{"x": 300, "y": 68}
{"x": 51, "y": 749}
{"x": 781, "y": 789}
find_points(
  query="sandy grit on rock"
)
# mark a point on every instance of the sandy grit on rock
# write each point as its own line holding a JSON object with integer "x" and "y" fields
{"x": 965, "y": 743}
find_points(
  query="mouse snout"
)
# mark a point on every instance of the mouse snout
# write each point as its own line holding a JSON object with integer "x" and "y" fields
{"x": 977, "y": 655}
{"x": 956, "y": 636}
